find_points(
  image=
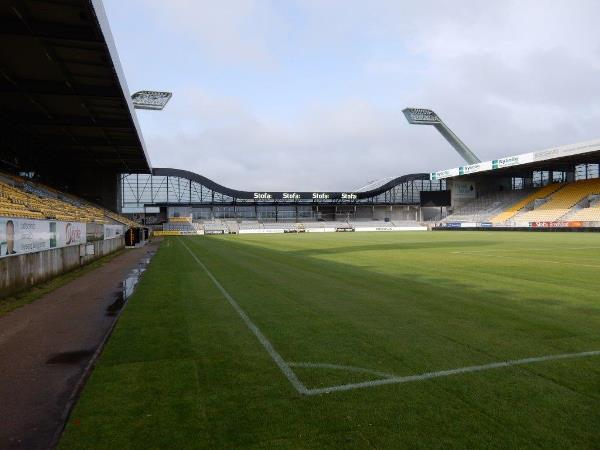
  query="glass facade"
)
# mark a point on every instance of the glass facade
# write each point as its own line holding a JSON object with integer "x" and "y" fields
{"x": 143, "y": 190}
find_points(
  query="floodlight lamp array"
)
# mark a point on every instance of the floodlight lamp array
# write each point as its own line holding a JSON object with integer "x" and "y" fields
{"x": 154, "y": 100}
{"x": 420, "y": 116}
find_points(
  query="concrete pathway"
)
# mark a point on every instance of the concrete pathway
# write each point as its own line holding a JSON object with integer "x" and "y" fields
{"x": 46, "y": 345}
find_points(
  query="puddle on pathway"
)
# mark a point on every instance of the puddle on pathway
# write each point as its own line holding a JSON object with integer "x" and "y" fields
{"x": 72, "y": 357}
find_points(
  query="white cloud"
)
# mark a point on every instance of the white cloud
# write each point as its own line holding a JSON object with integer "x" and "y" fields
{"x": 336, "y": 146}
{"x": 231, "y": 31}
{"x": 508, "y": 77}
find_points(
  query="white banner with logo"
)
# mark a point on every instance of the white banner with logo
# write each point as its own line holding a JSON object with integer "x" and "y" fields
{"x": 416, "y": 228}
{"x": 580, "y": 148}
{"x": 70, "y": 233}
{"x": 330, "y": 229}
{"x": 320, "y": 230}
{"x": 18, "y": 236}
{"x": 262, "y": 230}
{"x": 113, "y": 231}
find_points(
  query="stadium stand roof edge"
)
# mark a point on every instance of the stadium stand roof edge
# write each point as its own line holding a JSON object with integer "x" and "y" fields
{"x": 64, "y": 101}
{"x": 559, "y": 158}
{"x": 98, "y": 8}
{"x": 235, "y": 193}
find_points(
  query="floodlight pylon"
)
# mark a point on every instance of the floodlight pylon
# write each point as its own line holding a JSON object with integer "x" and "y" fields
{"x": 421, "y": 116}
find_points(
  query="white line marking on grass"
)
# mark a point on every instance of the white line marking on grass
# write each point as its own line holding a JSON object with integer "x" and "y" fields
{"x": 550, "y": 249}
{"x": 446, "y": 373}
{"x": 309, "y": 365}
{"x": 387, "y": 378}
{"x": 526, "y": 259}
{"x": 283, "y": 366}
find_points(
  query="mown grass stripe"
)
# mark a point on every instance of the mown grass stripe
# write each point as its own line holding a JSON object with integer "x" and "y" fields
{"x": 274, "y": 354}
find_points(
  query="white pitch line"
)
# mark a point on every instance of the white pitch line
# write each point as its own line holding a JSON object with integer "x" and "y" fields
{"x": 275, "y": 356}
{"x": 309, "y": 365}
{"x": 446, "y": 373}
{"x": 302, "y": 389}
{"x": 551, "y": 249}
{"x": 526, "y": 259}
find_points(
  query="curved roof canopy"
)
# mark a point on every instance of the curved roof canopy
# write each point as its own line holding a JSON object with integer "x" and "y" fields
{"x": 235, "y": 193}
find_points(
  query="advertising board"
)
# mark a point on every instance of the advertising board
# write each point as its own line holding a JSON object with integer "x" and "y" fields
{"x": 564, "y": 224}
{"x": 18, "y": 236}
{"x": 524, "y": 158}
{"x": 113, "y": 231}
{"x": 262, "y": 230}
{"x": 415, "y": 228}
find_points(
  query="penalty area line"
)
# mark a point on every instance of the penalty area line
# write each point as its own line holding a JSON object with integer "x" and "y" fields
{"x": 446, "y": 373}
{"x": 274, "y": 354}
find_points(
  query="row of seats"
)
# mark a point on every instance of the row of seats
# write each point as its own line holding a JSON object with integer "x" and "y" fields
{"x": 560, "y": 203}
{"x": 23, "y": 199}
{"x": 215, "y": 226}
{"x": 186, "y": 226}
{"x": 485, "y": 207}
{"x": 122, "y": 219}
{"x": 591, "y": 214}
{"x": 514, "y": 209}
{"x": 19, "y": 203}
{"x": 180, "y": 219}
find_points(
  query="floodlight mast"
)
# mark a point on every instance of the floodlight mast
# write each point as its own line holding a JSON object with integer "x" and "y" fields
{"x": 153, "y": 100}
{"x": 420, "y": 116}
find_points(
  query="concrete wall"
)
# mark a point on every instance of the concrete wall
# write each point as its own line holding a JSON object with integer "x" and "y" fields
{"x": 393, "y": 212}
{"x": 465, "y": 189}
{"x": 19, "y": 272}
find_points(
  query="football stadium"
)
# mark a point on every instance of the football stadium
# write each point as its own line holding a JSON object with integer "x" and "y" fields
{"x": 153, "y": 307}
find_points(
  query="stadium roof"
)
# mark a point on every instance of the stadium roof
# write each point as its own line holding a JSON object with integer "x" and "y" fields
{"x": 374, "y": 184}
{"x": 238, "y": 194}
{"x": 63, "y": 97}
{"x": 557, "y": 159}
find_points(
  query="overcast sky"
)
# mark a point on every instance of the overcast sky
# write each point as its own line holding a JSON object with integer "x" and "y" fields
{"x": 308, "y": 94}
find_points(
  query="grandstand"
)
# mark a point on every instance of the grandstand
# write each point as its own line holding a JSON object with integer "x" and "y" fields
{"x": 215, "y": 227}
{"x": 503, "y": 192}
{"x": 182, "y": 225}
{"x": 556, "y": 188}
{"x": 68, "y": 129}
{"x": 487, "y": 207}
{"x": 558, "y": 204}
{"x": 574, "y": 201}
{"x": 168, "y": 192}
{"x": 23, "y": 198}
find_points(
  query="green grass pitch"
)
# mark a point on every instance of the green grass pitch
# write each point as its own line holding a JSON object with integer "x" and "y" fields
{"x": 184, "y": 370}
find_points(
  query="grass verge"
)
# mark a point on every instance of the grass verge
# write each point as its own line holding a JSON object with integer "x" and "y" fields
{"x": 30, "y": 295}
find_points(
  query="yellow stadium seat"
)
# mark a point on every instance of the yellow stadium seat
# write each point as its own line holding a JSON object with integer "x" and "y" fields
{"x": 514, "y": 209}
{"x": 560, "y": 203}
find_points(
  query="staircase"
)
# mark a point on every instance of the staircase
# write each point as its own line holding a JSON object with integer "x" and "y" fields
{"x": 513, "y": 210}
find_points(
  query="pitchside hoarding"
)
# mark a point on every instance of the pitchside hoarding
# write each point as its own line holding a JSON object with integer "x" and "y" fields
{"x": 564, "y": 224}
{"x": 113, "y": 231}
{"x": 18, "y": 236}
